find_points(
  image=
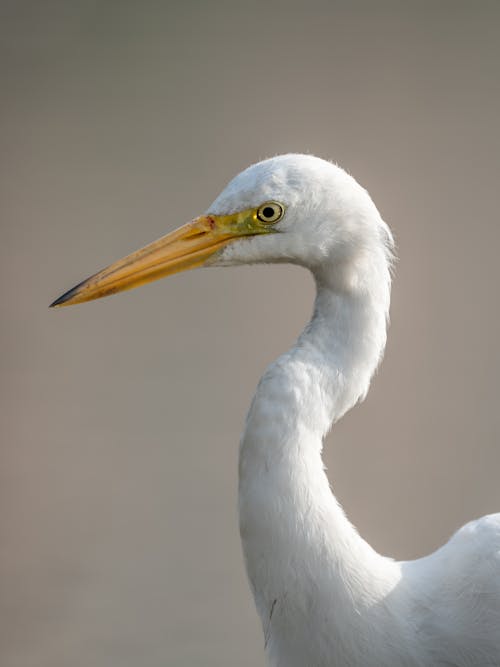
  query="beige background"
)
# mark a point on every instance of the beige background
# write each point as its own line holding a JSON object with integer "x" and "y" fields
{"x": 120, "y": 419}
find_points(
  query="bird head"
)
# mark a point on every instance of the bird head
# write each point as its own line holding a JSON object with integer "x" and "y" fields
{"x": 290, "y": 208}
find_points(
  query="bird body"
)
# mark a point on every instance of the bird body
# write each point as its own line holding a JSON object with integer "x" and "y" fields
{"x": 324, "y": 596}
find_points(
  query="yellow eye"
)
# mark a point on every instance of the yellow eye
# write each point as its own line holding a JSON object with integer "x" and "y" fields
{"x": 270, "y": 212}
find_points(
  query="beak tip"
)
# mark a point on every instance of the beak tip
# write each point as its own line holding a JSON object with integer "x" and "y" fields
{"x": 66, "y": 299}
{"x": 59, "y": 302}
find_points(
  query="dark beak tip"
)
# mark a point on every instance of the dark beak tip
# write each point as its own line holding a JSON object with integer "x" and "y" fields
{"x": 57, "y": 302}
{"x": 67, "y": 296}
{"x": 60, "y": 301}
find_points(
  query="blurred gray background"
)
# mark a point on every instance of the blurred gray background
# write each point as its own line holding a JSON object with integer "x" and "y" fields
{"x": 120, "y": 418}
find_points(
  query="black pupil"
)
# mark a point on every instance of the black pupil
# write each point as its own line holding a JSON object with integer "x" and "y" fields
{"x": 268, "y": 212}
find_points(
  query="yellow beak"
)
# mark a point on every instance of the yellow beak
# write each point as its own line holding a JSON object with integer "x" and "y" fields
{"x": 188, "y": 247}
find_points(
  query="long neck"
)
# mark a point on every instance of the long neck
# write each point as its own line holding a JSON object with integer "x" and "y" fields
{"x": 299, "y": 547}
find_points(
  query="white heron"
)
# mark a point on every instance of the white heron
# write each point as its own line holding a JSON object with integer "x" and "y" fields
{"x": 324, "y": 596}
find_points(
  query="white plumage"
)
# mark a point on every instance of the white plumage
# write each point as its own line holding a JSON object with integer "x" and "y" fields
{"x": 324, "y": 596}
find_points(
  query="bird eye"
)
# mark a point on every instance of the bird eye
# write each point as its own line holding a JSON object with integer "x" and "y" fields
{"x": 270, "y": 212}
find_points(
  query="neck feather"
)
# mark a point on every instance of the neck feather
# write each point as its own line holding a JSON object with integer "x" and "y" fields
{"x": 298, "y": 544}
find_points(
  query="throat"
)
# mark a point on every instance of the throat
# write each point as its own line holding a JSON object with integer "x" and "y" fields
{"x": 303, "y": 556}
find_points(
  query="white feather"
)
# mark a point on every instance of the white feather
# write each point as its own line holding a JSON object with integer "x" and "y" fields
{"x": 324, "y": 596}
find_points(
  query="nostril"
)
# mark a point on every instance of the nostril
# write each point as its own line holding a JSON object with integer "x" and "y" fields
{"x": 197, "y": 234}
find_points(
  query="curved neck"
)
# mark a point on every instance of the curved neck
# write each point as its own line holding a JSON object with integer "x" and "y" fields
{"x": 298, "y": 544}
{"x": 329, "y": 368}
{"x": 341, "y": 347}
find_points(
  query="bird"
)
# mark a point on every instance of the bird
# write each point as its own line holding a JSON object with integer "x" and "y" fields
{"x": 325, "y": 597}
